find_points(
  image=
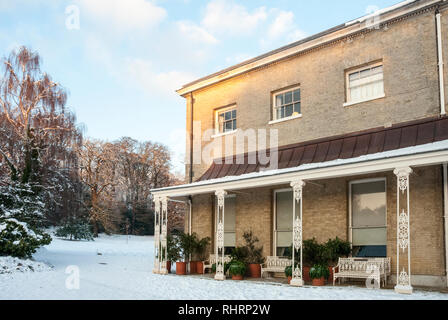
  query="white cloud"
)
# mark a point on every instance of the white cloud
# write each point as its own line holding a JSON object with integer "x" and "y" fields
{"x": 228, "y": 17}
{"x": 282, "y": 29}
{"x": 195, "y": 33}
{"x": 142, "y": 72}
{"x": 125, "y": 15}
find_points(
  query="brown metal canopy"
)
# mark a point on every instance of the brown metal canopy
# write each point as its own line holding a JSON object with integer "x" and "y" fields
{"x": 345, "y": 146}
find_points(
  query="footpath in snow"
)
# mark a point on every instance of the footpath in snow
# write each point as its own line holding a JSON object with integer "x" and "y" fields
{"x": 113, "y": 268}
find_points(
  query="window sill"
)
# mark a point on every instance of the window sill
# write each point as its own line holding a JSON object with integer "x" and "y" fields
{"x": 351, "y": 103}
{"x": 223, "y": 134}
{"x": 285, "y": 119}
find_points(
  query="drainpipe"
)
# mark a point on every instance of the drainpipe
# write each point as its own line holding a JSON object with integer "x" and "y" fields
{"x": 440, "y": 63}
{"x": 189, "y": 214}
{"x": 445, "y": 215}
{"x": 191, "y": 137}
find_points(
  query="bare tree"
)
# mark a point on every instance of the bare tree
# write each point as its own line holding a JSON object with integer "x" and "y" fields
{"x": 98, "y": 173}
{"x": 37, "y": 132}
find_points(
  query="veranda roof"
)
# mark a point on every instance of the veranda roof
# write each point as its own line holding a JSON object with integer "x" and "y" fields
{"x": 423, "y": 142}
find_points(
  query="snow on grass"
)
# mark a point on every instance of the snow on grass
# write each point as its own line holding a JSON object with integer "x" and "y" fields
{"x": 11, "y": 265}
{"x": 112, "y": 267}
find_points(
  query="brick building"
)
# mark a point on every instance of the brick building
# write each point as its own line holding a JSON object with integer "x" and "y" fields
{"x": 343, "y": 134}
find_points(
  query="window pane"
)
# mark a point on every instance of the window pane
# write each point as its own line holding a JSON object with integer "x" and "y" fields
{"x": 284, "y": 238}
{"x": 228, "y": 126}
{"x": 233, "y": 114}
{"x": 229, "y": 221}
{"x": 284, "y": 211}
{"x": 289, "y": 110}
{"x": 297, "y": 107}
{"x": 354, "y": 76}
{"x": 369, "y": 204}
{"x": 234, "y": 125}
{"x": 279, "y": 100}
{"x": 288, "y": 97}
{"x": 369, "y": 237}
{"x": 278, "y": 113}
{"x": 228, "y": 115}
{"x": 297, "y": 95}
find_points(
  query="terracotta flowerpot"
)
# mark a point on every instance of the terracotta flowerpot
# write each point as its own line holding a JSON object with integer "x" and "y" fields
{"x": 199, "y": 267}
{"x": 237, "y": 277}
{"x": 319, "y": 282}
{"x": 254, "y": 270}
{"x": 289, "y": 279}
{"x": 306, "y": 274}
{"x": 193, "y": 267}
{"x": 181, "y": 268}
{"x": 168, "y": 266}
{"x": 330, "y": 278}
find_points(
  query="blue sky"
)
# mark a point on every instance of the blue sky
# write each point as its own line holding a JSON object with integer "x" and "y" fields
{"x": 122, "y": 65}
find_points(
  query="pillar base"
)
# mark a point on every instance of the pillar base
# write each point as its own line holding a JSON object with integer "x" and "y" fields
{"x": 163, "y": 271}
{"x": 296, "y": 282}
{"x": 403, "y": 289}
{"x": 155, "y": 271}
{"x": 220, "y": 277}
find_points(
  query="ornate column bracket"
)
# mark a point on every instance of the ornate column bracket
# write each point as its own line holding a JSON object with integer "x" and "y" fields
{"x": 156, "y": 234}
{"x": 297, "y": 187}
{"x": 219, "y": 247}
{"x": 163, "y": 236}
{"x": 403, "y": 231}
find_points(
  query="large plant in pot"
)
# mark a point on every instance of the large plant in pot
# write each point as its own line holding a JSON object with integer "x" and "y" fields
{"x": 319, "y": 273}
{"x": 237, "y": 266}
{"x": 237, "y": 269}
{"x": 187, "y": 244}
{"x": 200, "y": 249}
{"x": 173, "y": 251}
{"x": 254, "y": 255}
{"x": 336, "y": 248}
{"x": 316, "y": 257}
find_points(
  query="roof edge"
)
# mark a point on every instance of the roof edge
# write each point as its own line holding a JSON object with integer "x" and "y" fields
{"x": 333, "y": 34}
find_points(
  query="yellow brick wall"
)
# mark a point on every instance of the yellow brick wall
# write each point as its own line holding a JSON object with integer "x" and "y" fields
{"x": 408, "y": 52}
{"x": 325, "y": 215}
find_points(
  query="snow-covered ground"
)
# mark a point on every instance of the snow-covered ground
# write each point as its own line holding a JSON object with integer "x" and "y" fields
{"x": 113, "y": 268}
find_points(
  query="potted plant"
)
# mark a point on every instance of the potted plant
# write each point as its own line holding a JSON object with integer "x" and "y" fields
{"x": 254, "y": 255}
{"x": 336, "y": 248}
{"x": 318, "y": 274}
{"x": 188, "y": 244}
{"x": 237, "y": 269}
{"x": 288, "y": 273}
{"x": 314, "y": 253}
{"x": 200, "y": 247}
{"x": 173, "y": 251}
{"x": 226, "y": 267}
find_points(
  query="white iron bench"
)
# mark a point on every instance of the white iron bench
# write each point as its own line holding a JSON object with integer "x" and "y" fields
{"x": 275, "y": 264}
{"x": 212, "y": 260}
{"x": 362, "y": 268}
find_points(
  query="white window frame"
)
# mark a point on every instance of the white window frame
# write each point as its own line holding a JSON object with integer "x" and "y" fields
{"x": 219, "y": 111}
{"x": 274, "y": 107}
{"x": 350, "y": 215}
{"x": 274, "y": 221}
{"x": 349, "y": 101}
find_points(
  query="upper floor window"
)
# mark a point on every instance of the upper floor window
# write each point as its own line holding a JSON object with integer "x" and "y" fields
{"x": 287, "y": 104}
{"x": 365, "y": 83}
{"x": 226, "y": 120}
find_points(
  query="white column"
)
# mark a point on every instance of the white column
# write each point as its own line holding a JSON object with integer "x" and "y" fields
{"x": 163, "y": 236}
{"x": 403, "y": 231}
{"x": 219, "y": 246}
{"x": 156, "y": 235}
{"x": 297, "y": 187}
